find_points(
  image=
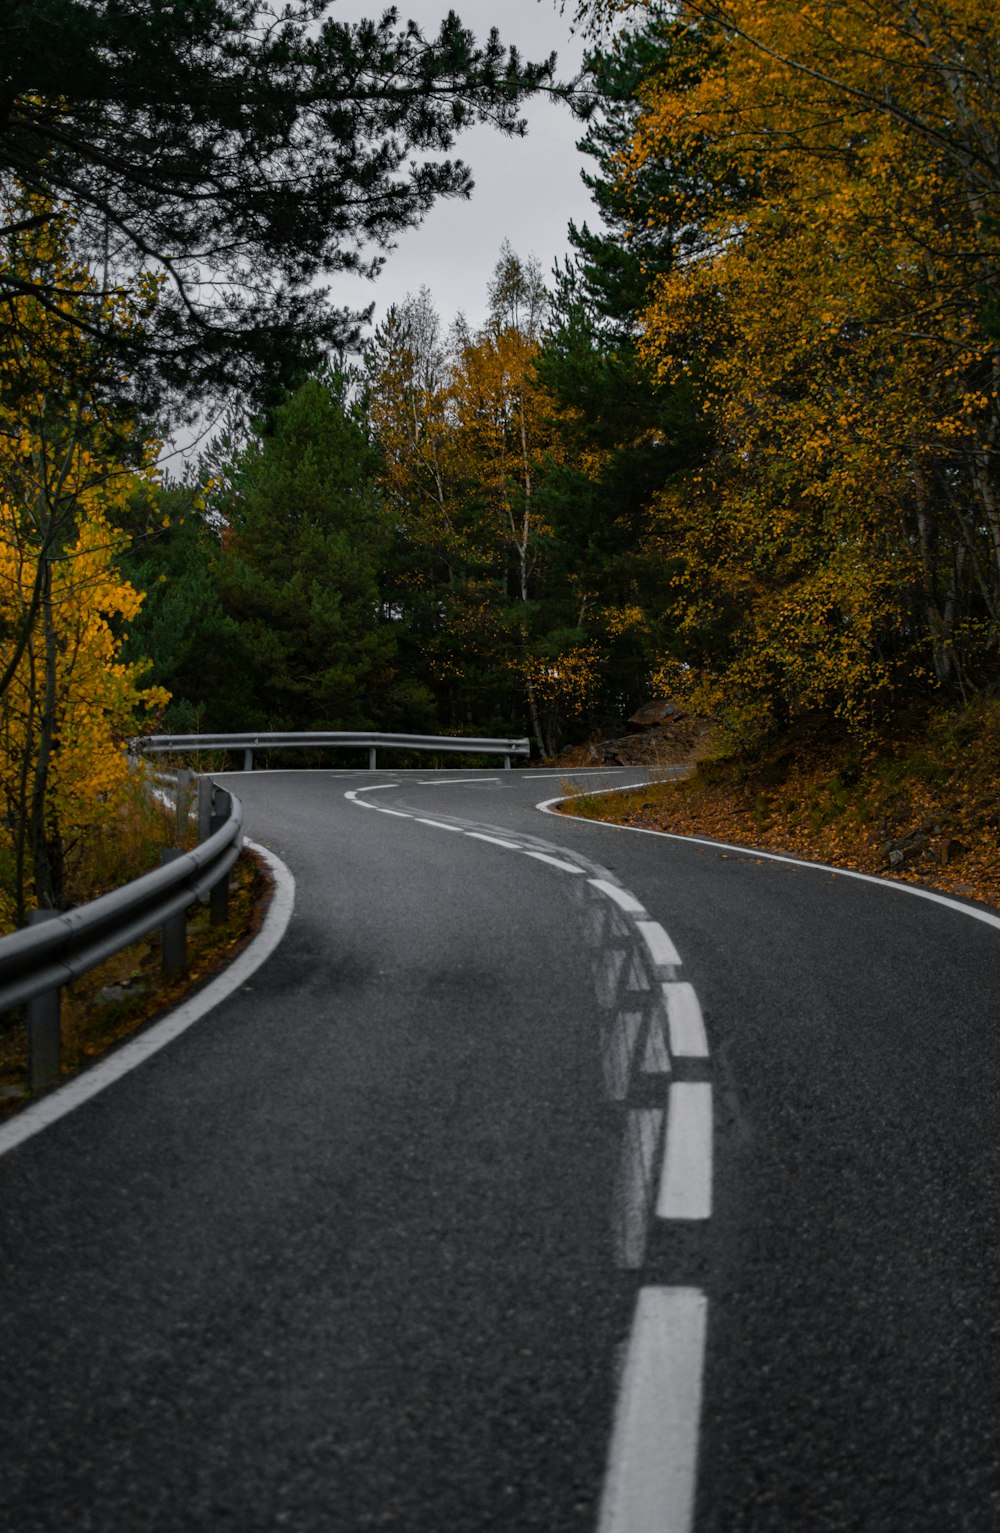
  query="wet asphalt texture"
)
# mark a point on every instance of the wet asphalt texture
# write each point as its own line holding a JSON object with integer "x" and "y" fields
{"x": 342, "y": 1257}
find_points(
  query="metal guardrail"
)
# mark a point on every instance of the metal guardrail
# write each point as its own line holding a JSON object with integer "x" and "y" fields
{"x": 59, "y": 946}
{"x": 334, "y": 739}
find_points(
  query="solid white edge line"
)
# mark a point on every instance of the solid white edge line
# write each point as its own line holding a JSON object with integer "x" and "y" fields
{"x": 686, "y": 1182}
{"x": 81, "y": 1088}
{"x": 555, "y": 862}
{"x": 985, "y": 916}
{"x": 650, "y": 1482}
{"x": 661, "y": 949}
{"x": 622, "y": 898}
{"x": 568, "y": 774}
{"x": 546, "y": 806}
{"x": 685, "y": 1021}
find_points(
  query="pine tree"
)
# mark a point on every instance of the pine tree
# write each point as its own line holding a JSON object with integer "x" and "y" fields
{"x": 624, "y": 434}
{"x": 241, "y": 154}
{"x": 297, "y": 571}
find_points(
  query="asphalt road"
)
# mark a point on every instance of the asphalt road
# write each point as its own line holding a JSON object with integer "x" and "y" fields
{"x": 455, "y": 1218}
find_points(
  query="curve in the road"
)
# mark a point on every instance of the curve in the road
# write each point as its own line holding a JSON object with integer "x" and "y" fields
{"x": 653, "y": 1455}
{"x": 65, "y": 1099}
{"x": 847, "y": 1374}
{"x": 550, "y": 806}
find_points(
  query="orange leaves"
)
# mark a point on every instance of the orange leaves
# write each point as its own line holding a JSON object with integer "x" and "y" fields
{"x": 67, "y": 702}
{"x": 830, "y": 311}
{"x": 567, "y": 681}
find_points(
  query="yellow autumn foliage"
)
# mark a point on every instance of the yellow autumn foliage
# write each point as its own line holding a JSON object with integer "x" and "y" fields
{"x": 68, "y": 702}
{"x": 841, "y": 254}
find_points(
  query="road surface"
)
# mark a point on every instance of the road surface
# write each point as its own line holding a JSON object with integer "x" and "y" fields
{"x": 547, "y": 1177}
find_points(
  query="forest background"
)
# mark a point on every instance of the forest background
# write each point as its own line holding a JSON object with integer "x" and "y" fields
{"x": 739, "y": 450}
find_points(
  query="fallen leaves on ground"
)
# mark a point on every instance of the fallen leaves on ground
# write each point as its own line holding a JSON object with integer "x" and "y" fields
{"x": 923, "y": 810}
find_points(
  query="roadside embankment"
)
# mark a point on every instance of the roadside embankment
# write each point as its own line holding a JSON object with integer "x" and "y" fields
{"x": 922, "y": 806}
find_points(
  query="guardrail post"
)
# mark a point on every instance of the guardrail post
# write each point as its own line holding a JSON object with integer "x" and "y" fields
{"x": 248, "y": 760}
{"x": 206, "y": 788}
{"x": 174, "y": 932}
{"x": 185, "y": 789}
{"x": 506, "y": 762}
{"x": 371, "y": 758}
{"x": 44, "y": 1033}
{"x": 218, "y": 899}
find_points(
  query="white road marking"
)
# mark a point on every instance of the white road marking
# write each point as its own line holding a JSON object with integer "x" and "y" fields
{"x": 555, "y": 862}
{"x": 892, "y": 884}
{"x": 686, "y": 1182}
{"x": 80, "y": 1089}
{"x": 438, "y": 824}
{"x": 622, "y": 898}
{"x": 687, "y": 1027}
{"x": 568, "y": 774}
{"x": 479, "y": 835}
{"x": 652, "y": 1463}
{"x": 650, "y": 1482}
{"x": 449, "y": 782}
{"x": 661, "y": 949}
{"x": 547, "y": 806}
{"x": 398, "y": 814}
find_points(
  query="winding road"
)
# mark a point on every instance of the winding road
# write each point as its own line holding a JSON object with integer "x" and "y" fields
{"x": 547, "y": 1176}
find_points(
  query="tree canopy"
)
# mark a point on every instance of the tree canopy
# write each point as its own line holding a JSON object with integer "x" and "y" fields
{"x": 832, "y": 305}
{"x": 241, "y": 152}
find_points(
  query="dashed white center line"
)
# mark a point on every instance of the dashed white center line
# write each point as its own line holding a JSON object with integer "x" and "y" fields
{"x": 480, "y": 835}
{"x": 687, "y": 1028}
{"x": 555, "y": 862}
{"x": 621, "y": 897}
{"x": 661, "y": 949}
{"x": 686, "y": 1182}
{"x": 396, "y": 813}
{"x": 652, "y": 1463}
{"x": 650, "y": 1482}
{"x": 450, "y": 782}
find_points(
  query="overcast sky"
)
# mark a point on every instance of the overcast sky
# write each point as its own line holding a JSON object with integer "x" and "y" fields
{"x": 527, "y": 190}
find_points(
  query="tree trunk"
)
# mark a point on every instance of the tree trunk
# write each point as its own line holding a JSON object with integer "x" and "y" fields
{"x": 46, "y": 843}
